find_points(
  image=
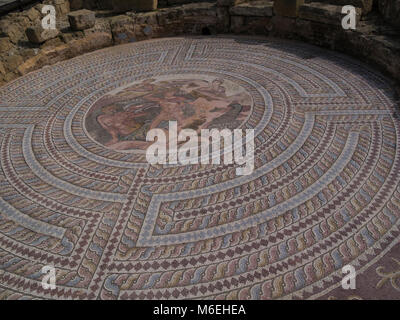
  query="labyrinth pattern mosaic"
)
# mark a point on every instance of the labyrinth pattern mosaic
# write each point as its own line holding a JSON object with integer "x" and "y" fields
{"x": 78, "y": 194}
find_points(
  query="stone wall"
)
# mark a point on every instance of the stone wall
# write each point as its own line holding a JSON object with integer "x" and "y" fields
{"x": 91, "y": 4}
{"x": 373, "y": 41}
{"x": 319, "y": 24}
{"x": 107, "y": 4}
{"x": 390, "y": 9}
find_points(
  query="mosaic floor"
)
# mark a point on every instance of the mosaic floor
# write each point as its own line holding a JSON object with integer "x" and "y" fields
{"x": 77, "y": 192}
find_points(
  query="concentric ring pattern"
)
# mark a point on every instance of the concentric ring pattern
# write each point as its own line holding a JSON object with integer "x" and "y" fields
{"x": 324, "y": 192}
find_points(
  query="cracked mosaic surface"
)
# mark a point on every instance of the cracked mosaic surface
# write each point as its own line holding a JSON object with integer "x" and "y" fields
{"x": 324, "y": 192}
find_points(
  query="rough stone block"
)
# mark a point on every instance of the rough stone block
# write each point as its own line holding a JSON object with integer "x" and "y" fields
{"x": 228, "y": 3}
{"x": 365, "y": 5}
{"x": 237, "y": 23}
{"x": 120, "y": 6}
{"x": 223, "y": 19}
{"x": 52, "y": 43}
{"x": 324, "y": 13}
{"x": 13, "y": 62}
{"x": 82, "y": 19}
{"x": 123, "y": 29}
{"x": 5, "y": 44}
{"x": 33, "y": 14}
{"x": 90, "y": 43}
{"x": 37, "y": 35}
{"x": 170, "y": 16}
{"x": 199, "y": 18}
{"x": 287, "y": 8}
{"x": 147, "y": 18}
{"x": 12, "y": 31}
{"x": 260, "y": 8}
{"x": 102, "y": 25}
{"x": 62, "y": 6}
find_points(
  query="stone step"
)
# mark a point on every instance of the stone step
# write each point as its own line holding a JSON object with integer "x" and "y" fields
{"x": 259, "y": 8}
{"x": 365, "y": 5}
{"x": 324, "y": 13}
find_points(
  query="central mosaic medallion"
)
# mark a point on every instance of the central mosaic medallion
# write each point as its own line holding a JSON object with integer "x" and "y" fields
{"x": 120, "y": 119}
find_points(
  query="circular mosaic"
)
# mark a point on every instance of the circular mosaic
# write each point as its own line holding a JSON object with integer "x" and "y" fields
{"x": 121, "y": 119}
{"x": 78, "y": 194}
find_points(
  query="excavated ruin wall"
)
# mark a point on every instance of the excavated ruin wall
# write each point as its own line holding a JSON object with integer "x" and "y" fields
{"x": 376, "y": 44}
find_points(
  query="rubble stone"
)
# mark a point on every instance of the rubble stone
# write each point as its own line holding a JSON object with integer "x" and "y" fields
{"x": 37, "y": 35}
{"x": 82, "y": 19}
